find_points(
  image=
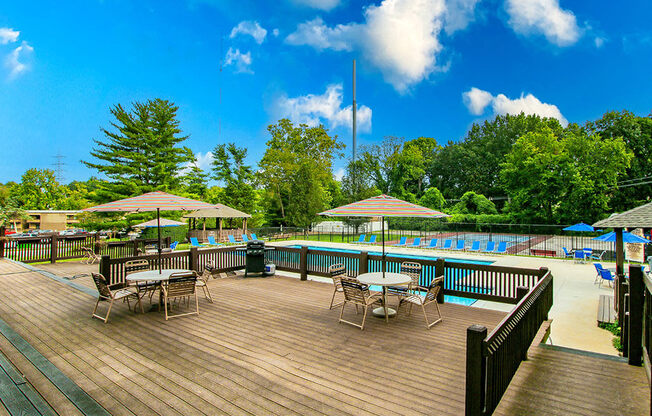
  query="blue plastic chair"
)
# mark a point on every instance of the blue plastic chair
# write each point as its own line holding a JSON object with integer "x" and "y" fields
{"x": 232, "y": 239}
{"x": 579, "y": 256}
{"x": 460, "y": 245}
{"x": 475, "y": 246}
{"x": 174, "y": 245}
{"x": 448, "y": 244}
{"x": 606, "y": 275}
{"x": 598, "y": 267}
{"x": 254, "y": 236}
{"x": 372, "y": 239}
{"x": 416, "y": 242}
{"x": 402, "y": 242}
{"x": 194, "y": 242}
{"x": 567, "y": 253}
{"x": 502, "y": 248}
{"x": 433, "y": 243}
{"x": 491, "y": 247}
{"x": 212, "y": 242}
{"x": 361, "y": 239}
{"x": 245, "y": 238}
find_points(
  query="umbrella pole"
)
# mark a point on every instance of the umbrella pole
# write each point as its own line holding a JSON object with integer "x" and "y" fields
{"x": 382, "y": 263}
{"x": 158, "y": 221}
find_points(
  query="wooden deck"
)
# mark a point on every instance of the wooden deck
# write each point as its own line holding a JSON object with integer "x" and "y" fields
{"x": 266, "y": 346}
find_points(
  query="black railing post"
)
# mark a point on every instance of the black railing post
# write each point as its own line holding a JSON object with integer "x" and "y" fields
{"x": 2, "y": 246}
{"x": 521, "y": 291}
{"x": 105, "y": 268}
{"x": 53, "y": 248}
{"x": 363, "y": 262}
{"x": 475, "y": 370}
{"x": 624, "y": 332}
{"x": 303, "y": 262}
{"x": 636, "y": 293}
{"x": 440, "y": 270}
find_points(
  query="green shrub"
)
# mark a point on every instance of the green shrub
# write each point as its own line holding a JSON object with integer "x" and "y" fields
{"x": 179, "y": 233}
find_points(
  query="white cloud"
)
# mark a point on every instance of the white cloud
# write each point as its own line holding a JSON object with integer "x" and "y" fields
{"x": 399, "y": 37}
{"x": 325, "y": 5}
{"x": 599, "y": 41}
{"x": 8, "y": 35}
{"x": 314, "y": 109}
{"x": 459, "y": 13}
{"x": 546, "y": 17}
{"x": 241, "y": 61}
{"x": 275, "y": 32}
{"x": 13, "y": 60}
{"x": 250, "y": 28}
{"x": 204, "y": 160}
{"x": 339, "y": 174}
{"x": 476, "y": 100}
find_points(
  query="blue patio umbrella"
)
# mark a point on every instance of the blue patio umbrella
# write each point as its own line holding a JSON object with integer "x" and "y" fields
{"x": 579, "y": 227}
{"x": 627, "y": 238}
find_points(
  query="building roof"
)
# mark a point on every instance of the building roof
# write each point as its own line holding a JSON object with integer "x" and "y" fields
{"x": 51, "y": 211}
{"x": 639, "y": 217}
{"x": 220, "y": 211}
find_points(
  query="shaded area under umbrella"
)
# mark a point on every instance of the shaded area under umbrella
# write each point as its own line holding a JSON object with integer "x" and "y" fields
{"x": 164, "y": 222}
{"x": 152, "y": 201}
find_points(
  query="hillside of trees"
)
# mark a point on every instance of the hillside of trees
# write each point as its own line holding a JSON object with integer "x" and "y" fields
{"x": 518, "y": 169}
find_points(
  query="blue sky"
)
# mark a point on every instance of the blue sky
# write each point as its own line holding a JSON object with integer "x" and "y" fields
{"x": 425, "y": 68}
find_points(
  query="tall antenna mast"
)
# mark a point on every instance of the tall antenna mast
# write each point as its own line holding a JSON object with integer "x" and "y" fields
{"x": 58, "y": 167}
{"x": 354, "y": 110}
{"x": 219, "y": 110}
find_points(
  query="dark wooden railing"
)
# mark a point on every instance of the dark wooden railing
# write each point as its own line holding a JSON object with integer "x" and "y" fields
{"x": 47, "y": 248}
{"x": 492, "y": 361}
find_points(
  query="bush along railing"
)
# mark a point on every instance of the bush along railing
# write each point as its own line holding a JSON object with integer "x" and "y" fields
{"x": 492, "y": 361}
{"x": 128, "y": 248}
{"x": 47, "y": 248}
{"x": 226, "y": 259}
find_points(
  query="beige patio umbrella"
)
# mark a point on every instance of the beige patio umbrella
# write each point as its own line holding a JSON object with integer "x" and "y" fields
{"x": 219, "y": 211}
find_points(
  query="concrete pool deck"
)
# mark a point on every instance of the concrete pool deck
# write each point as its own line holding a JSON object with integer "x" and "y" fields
{"x": 575, "y": 306}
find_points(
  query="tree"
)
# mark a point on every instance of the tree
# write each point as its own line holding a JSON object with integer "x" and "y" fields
{"x": 142, "y": 154}
{"x": 476, "y": 204}
{"x": 432, "y": 198}
{"x": 195, "y": 181}
{"x": 295, "y": 154}
{"x": 38, "y": 189}
{"x": 229, "y": 167}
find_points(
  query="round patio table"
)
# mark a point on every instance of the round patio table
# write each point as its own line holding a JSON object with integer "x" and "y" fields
{"x": 389, "y": 279}
{"x": 154, "y": 275}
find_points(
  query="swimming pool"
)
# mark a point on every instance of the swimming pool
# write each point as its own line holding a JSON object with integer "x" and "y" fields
{"x": 374, "y": 265}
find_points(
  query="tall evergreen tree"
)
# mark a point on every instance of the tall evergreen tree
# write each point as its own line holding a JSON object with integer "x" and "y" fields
{"x": 143, "y": 152}
{"x": 230, "y": 168}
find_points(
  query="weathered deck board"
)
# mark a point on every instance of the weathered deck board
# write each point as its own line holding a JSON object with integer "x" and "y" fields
{"x": 557, "y": 382}
{"x": 266, "y": 346}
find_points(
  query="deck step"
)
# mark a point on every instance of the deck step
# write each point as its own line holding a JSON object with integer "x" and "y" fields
{"x": 606, "y": 312}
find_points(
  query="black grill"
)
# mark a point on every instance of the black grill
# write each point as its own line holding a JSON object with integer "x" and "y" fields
{"x": 255, "y": 257}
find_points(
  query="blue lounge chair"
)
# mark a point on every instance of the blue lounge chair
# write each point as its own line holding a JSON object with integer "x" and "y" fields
{"x": 361, "y": 239}
{"x": 460, "y": 245}
{"x": 579, "y": 256}
{"x": 174, "y": 245}
{"x": 606, "y": 275}
{"x": 433, "y": 243}
{"x": 195, "y": 243}
{"x": 232, "y": 239}
{"x": 598, "y": 267}
{"x": 598, "y": 256}
{"x": 212, "y": 242}
{"x": 491, "y": 247}
{"x": 245, "y": 238}
{"x": 502, "y": 248}
{"x": 567, "y": 253}
{"x": 254, "y": 236}
{"x": 372, "y": 239}
{"x": 448, "y": 244}
{"x": 475, "y": 246}
{"x": 402, "y": 242}
{"x": 416, "y": 242}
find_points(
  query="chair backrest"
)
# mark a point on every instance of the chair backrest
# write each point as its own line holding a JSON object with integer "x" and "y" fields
{"x": 193, "y": 241}
{"x": 579, "y": 254}
{"x": 174, "y": 245}
{"x": 606, "y": 274}
{"x": 598, "y": 267}
{"x": 403, "y": 240}
{"x": 102, "y": 286}
{"x": 433, "y": 289}
{"x": 231, "y": 239}
{"x": 133, "y": 266}
{"x": 245, "y": 238}
{"x": 337, "y": 271}
{"x": 354, "y": 291}
{"x": 460, "y": 244}
{"x": 491, "y": 246}
{"x": 413, "y": 270}
{"x": 475, "y": 245}
{"x": 448, "y": 244}
{"x": 362, "y": 238}
{"x": 565, "y": 251}
{"x": 254, "y": 236}
{"x": 181, "y": 284}
{"x": 372, "y": 239}
{"x": 417, "y": 241}
{"x": 211, "y": 240}
{"x": 502, "y": 247}
{"x": 433, "y": 242}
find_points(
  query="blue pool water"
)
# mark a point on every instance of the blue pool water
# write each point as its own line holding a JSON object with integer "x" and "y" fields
{"x": 510, "y": 239}
{"x": 452, "y": 299}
